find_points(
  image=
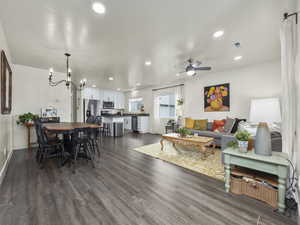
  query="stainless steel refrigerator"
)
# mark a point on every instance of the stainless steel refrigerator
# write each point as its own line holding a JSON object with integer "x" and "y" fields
{"x": 91, "y": 107}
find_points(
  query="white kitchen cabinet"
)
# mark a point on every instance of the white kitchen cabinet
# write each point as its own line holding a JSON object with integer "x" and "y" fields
{"x": 95, "y": 94}
{"x": 119, "y": 100}
{"x": 108, "y": 96}
{"x": 101, "y": 97}
{"x": 143, "y": 124}
{"x": 91, "y": 93}
{"x": 122, "y": 100}
{"x": 127, "y": 123}
{"x": 86, "y": 93}
{"x": 105, "y": 95}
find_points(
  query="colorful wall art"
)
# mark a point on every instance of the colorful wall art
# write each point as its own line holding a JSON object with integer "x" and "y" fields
{"x": 217, "y": 98}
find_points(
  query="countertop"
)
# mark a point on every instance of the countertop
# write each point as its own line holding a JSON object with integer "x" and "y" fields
{"x": 128, "y": 115}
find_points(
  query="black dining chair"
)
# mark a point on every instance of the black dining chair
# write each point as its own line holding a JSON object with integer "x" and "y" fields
{"x": 47, "y": 148}
{"x": 97, "y": 133}
{"x": 98, "y": 120}
{"x": 94, "y": 137}
{"x": 82, "y": 145}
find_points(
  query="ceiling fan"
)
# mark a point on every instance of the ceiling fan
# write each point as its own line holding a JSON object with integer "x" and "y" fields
{"x": 194, "y": 65}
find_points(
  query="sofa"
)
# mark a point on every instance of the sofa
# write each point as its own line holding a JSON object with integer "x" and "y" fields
{"x": 220, "y": 139}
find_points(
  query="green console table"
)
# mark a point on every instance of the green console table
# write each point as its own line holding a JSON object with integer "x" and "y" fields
{"x": 277, "y": 164}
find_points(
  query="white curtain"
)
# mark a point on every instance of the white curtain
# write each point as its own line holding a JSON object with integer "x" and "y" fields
{"x": 290, "y": 93}
{"x": 159, "y": 123}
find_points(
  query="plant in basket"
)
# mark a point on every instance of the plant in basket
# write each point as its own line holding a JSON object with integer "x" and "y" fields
{"x": 183, "y": 132}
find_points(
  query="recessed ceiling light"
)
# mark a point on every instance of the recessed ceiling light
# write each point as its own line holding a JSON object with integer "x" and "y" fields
{"x": 218, "y": 34}
{"x": 110, "y": 78}
{"x": 119, "y": 89}
{"x": 99, "y": 8}
{"x": 148, "y": 63}
{"x": 191, "y": 72}
{"x": 94, "y": 85}
{"x": 239, "y": 57}
{"x": 138, "y": 84}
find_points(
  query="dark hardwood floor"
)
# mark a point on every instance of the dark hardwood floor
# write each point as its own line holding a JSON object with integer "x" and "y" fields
{"x": 125, "y": 188}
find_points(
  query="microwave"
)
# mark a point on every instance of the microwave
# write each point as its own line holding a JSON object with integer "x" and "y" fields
{"x": 108, "y": 105}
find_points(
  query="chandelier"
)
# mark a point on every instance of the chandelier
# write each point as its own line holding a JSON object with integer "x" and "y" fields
{"x": 68, "y": 81}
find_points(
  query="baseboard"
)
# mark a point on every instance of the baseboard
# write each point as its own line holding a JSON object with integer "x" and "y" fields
{"x": 22, "y": 147}
{"x": 4, "y": 168}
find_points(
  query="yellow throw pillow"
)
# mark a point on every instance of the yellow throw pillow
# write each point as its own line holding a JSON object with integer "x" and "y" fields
{"x": 189, "y": 123}
{"x": 200, "y": 125}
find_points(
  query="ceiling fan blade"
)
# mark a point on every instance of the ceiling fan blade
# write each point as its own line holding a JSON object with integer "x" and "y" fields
{"x": 203, "y": 68}
{"x": 197, "y": 64}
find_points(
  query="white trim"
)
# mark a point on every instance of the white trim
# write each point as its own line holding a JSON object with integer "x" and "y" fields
{"x": 22, "y": 147}
{"x": 4, "y": 168}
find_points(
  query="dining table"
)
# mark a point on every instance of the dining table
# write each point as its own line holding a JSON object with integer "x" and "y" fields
{"x": 67, "y": 129}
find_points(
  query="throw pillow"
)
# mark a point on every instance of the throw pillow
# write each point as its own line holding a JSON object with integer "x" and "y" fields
{"x": 228, "y": 125}
{"x": 217, "y": 124}
{"x": 220, "y": 130}
{"x": 189, "y": 123}
{"x": 200, "y": 125}
{"x": 236, "y": 125}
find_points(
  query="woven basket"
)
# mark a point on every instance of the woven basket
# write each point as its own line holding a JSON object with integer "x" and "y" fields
{"x": 255, "y": 190}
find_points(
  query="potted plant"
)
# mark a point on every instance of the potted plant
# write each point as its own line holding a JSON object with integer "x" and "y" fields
{"x": 183, "y": 132}
{"x": 242, "y": 138}
{"x": 27, "y": 118}
{"x": 180, "y": 101}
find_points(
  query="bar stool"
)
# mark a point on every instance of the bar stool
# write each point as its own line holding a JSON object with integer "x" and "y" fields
{"x": 105, "y": 129}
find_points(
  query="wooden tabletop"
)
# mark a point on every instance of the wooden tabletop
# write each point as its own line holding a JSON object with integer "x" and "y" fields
{"x": 68, "y": 126}
{"x": 196, "y": 139}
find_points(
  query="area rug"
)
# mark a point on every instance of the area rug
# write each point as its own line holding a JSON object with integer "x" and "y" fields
{"x": 188, "y": 158}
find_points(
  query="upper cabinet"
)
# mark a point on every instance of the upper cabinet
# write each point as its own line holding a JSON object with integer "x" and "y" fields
{"x": 108, "y": 96}
{"x": 105, "y": 95}
{"x": 119, "y": 100}
{"x": 91, "y": 93}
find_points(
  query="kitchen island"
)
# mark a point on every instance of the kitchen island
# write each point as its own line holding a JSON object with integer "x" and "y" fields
{"x": 135, "y": 122}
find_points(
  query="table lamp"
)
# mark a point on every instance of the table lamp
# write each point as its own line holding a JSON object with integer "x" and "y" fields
{"x": 265, "y": 112}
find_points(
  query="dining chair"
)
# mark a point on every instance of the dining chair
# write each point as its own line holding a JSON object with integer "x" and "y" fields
{"x": 98, "y": 131}
{"x": 94, "y": 137}
{"x": 45, "y": 146}
{"x": 82, "y": 146}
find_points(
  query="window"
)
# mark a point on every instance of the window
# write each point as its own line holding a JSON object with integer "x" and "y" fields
{"x": 135, "y": 105}
{"x": 167, "y": 106}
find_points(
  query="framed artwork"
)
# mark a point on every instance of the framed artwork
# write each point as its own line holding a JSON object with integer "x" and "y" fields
{"x": 217, "y": 98}
{"x": 6, "y": 85}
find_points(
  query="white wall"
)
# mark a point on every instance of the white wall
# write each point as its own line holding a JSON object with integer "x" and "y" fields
{"x": 5, "y": 120}
{"x": 31, "y": 92}
{"x": 256, "y": 81}
{"x": 298, "y": 88}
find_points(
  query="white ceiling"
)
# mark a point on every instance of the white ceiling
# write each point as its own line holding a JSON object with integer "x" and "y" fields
{"x": 117, "y": 44}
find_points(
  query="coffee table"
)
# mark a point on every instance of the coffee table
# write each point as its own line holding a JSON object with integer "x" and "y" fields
{"x": 199, "y": 142}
